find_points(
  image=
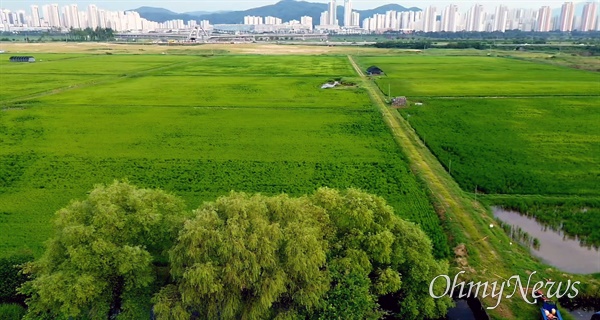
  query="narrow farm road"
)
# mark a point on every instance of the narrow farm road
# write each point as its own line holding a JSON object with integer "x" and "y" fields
{"x": 453, "y": 205}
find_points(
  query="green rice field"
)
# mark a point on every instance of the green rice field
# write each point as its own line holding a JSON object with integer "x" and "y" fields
{"x": 456, "y": 76}
{"x": 503, "y": 126}
{"x": 197, "y": 126}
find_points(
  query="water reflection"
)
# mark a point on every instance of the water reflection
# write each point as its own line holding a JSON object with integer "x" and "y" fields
{"x": 554, "y": 248}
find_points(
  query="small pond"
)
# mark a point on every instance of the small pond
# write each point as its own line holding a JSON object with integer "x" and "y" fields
{"x": 555, "y": 248}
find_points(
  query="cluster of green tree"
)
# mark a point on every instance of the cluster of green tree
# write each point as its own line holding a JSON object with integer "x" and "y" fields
{"x": 425, "y": 44}
{"x": 127, "y": 253}
{"x": 588, "y": 50}
{"x": 575, "y": 217}
{"x": 87, "y": 34}
{"x": 584, "y": 50}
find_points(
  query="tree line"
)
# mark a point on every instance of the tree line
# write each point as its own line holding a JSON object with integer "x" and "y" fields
{"x": 130, "y": 253}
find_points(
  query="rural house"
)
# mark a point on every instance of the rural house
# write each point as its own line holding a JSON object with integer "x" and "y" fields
{"x": 374, "y": 71}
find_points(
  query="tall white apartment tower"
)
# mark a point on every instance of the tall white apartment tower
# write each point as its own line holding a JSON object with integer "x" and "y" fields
{"x": 355, "y": 20}
{"x": 450, "y": 19}
{"x": 500, "y": 18}
{"x": 74, "y": 15}
{"x": 429, "y": 19}
{"x": 475, "y": 18}
{"x": 54, "y": 15}
{"x": 566, "y": 17}
{"x": 589, "y": 16}
{"x": 92, "y": 17}
{"x": 332, "y": 13}
{"x": 544, "y": 19}
{"x": 35, "y": 16}
{"x": 347, "y": 13}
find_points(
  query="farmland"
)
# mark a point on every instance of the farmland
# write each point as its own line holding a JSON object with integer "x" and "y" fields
{"x": 440, "y": 76}
{"x": 508, "y": 127}
{"x": 192, "y": 125}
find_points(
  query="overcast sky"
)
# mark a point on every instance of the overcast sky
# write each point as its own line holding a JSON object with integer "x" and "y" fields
{"x": 216, "y": 5}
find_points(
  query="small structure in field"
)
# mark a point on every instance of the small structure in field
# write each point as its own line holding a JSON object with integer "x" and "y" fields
{"x": 418, "y": 103}
{"x": 399, "y": 102}
{"x": 22, "y": 59}
{"x": 374, "y": 71}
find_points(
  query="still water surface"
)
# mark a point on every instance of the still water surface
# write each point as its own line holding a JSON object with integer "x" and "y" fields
{"x": 556, "y": 249}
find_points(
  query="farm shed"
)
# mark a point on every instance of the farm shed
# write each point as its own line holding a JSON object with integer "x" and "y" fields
{"x": 22, "y": 59}
{"x": 374, "y": 71}
{"x": 399, "y": 102}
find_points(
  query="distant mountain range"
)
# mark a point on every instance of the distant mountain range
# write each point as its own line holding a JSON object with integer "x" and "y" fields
{"x": 286, "y": 10}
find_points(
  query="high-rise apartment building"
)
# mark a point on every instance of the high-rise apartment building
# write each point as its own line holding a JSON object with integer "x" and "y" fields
{"x": 500, "y": 18}
{"x": 567, "y": 14}
{"x": 332, "y": 20}
{"x": 589, "y": 17}
{"x": 355, "y": 19}
{"x": 35, "y": 16}
{"x": 93, "y": 17}
{"x": 544, "y": 19}
{"x": 450, "y": 19}
{"x": 475, "y": 18}
{"x": 429, "y": 19}
{"x": 348, "y": 13}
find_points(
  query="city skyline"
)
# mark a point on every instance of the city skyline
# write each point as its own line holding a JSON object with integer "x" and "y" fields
{"x": 431, "y": 19}
{"x": 187, "y": 6}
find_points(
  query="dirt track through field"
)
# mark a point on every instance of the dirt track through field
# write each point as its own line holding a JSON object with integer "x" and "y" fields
{"x": 455, "y": 206}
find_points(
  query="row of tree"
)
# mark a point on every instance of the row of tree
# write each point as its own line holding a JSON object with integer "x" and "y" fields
{"x": 127, "y": 253}
{"x": 87, "y": 34}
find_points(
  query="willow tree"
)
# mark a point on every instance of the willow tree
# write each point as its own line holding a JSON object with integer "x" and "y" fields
{"x": 340, "y": 255}
{"x": 102, "y": 260}
{"x": 248, "y": 257}
{"x": 379, "y": 263}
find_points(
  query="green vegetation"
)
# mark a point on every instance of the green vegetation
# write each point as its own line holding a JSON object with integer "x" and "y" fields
{"x": 174, "y": 126}
{"x": 105, "y": 254}
{"x": 576, "y": 217}
{"x": 488, "y": 253}
{"x": 528, "y": 146}
{"x": 498, "y": 133}
{"x": 434, "y": 76}
{"x": 241, "y": 257}
{"x": 12, "y": 311}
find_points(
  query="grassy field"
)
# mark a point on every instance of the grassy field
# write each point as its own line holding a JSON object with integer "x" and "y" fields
{"x": 491, "y": 253}
{"x": 440, "y": 76}
{"x": 536, "y": 143}
{"x": 513, "y": 129}
{"x": 197, "y": 128}
{"x": 515, "y": 146}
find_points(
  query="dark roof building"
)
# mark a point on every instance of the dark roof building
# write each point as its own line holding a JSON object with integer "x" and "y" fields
{"x": 373, "y": 70}
{"x": 22, "y": 59}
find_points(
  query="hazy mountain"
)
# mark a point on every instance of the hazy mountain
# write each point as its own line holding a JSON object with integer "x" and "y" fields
{"x": 162, "y": 15}
{"x": 285, "y": 9}
{"x": 200, "y": 13}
